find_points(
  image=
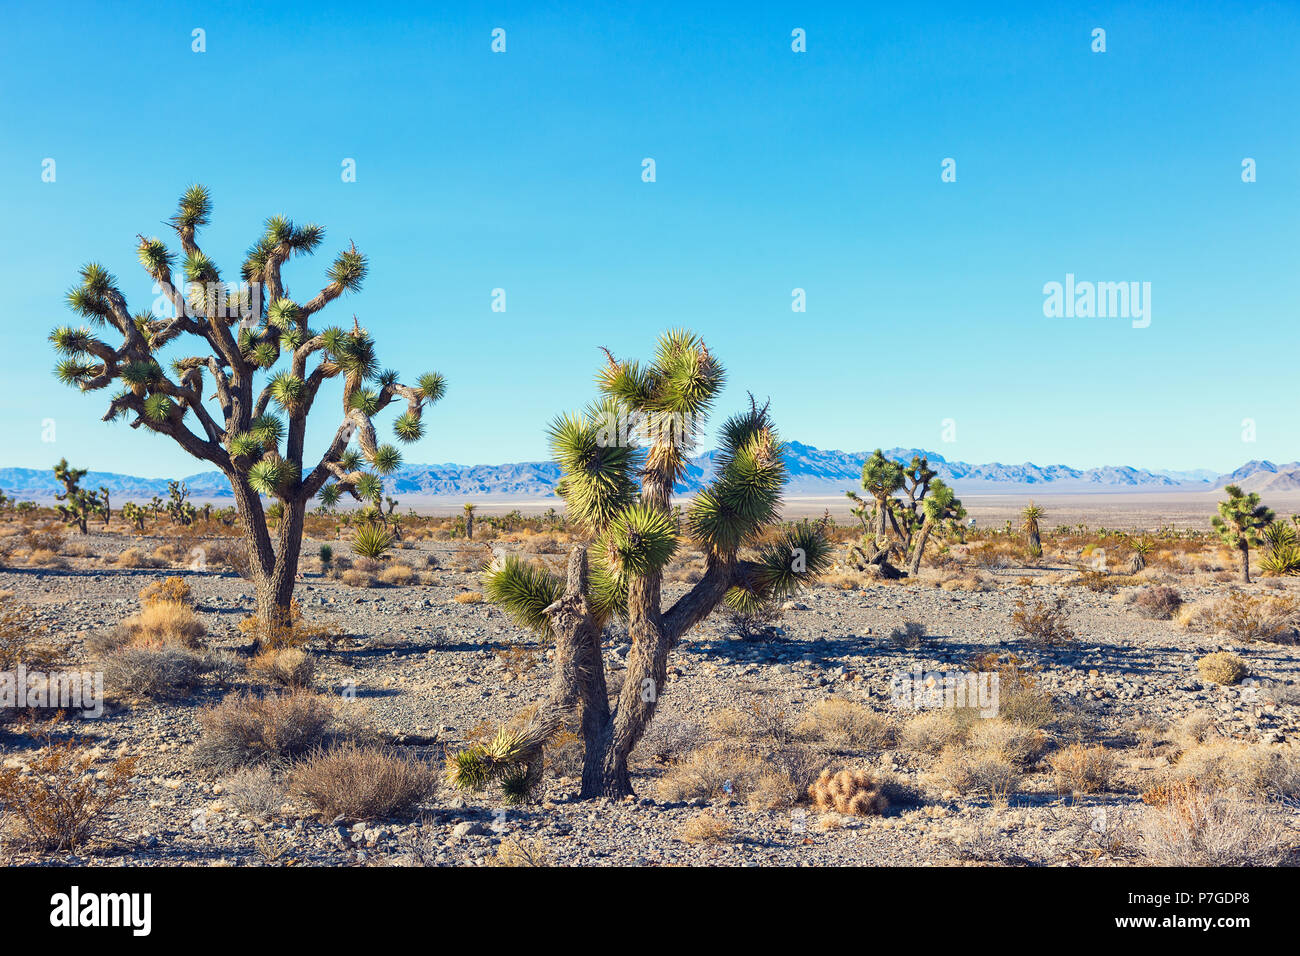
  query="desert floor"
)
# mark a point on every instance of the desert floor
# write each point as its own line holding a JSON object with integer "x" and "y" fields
{"x": 423, "y": 673}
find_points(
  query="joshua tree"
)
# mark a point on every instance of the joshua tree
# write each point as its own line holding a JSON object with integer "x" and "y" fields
{"x": 239, "y": 333}
{"x": 619, "y": 495}
{"x": 133, "y": 513}
{"x": 79, "y": 505}
{"x": 469, "y": 522}
{"x": 939, "y": 506}
{"x": 1239, "y": 522}
{"x": 1032, "y": 515}
{"x": 107, "y": 511}
{"x": 1141, "y": 548}
{"x": 881, "y": 478}
{"x": 1282, "y": 551}
{"x": 179, "y": 507}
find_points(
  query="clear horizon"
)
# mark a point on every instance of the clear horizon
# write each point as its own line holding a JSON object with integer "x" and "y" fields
{"x": 775, "y": 171}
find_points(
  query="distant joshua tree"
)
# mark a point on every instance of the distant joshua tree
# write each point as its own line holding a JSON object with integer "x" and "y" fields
{"x": 1031, "y": 516}
{"x": 469, "y": 522}
{"x": 241, "y": 333}
{"x": 1239, "y": 522}
{"x": 619, "y": 496}
{"x": 78, "y": 505}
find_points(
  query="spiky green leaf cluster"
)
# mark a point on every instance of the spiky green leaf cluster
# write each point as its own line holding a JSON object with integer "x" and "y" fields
{"x": 523, "y": 590}
{"x": 597, "y": 475}
{"x": 640, "y": 540}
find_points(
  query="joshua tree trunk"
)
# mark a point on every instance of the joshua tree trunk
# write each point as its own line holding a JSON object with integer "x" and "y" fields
{"x": 914, "y": 567}
{"x": 1245, "y": 560}
{"x": 469, "y": 525}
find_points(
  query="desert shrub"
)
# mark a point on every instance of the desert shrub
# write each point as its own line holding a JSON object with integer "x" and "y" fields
{"x": 1043, "y": 623}
{"x": 254, "y": 792}
{"x": 361, "y": 782}
{"x": 844, "y": 724}
{"x": 707, "y": 828}
{"x": 935, "y": 730}
{"x": 1157, "y": 602}
{"x": 468, "y": 597}
{"x": 1195, "y": 827}
{"x": 565, "y": 752}
{"x": 20, "y": 643}
{"x": 356, "y": 578}
{"x": 152, "y": 674}
{"x": 1219, "y": 764}
{"x": 132, "y": 558}
{"x": 285, "y": 666}
{"x": 60, "y": 802}
{"x": 293, "y": 631}
{"x": 1244, "y": 616}
{"x": 171, "y": 590}
{"x": 397, "y": 575}
{"x": 245, "y": 730}
{"x": 668, "y": 738}
{"x": 518, "y": 852}
{"x": 970, "y": 772}
{"x": 852, "y": 792}
{"x": 1222, "y": 667}
{"x": 715, "y": 771}
{"x": 1015, "y": 743}
{"x": 1081, "y": 769}
{"x": 910, "y": 635}
{"x": 44, "y": 558}
{"x": 164, "y": 624}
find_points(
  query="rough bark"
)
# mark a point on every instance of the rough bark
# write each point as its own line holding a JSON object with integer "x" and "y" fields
{"x": 1245, "y": 561}
{"x": 918, "y": 549}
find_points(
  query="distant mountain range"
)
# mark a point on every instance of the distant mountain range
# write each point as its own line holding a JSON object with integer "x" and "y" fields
{"x": 812, "y": 471}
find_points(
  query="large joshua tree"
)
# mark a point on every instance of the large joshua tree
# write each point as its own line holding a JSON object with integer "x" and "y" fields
{"x": 1239, "y": 522}
{"x": 255, "y": 432}
{"x": 618, "y": 492}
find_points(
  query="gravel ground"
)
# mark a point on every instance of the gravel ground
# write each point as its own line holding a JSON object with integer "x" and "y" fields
{"x": 426, "y": 671}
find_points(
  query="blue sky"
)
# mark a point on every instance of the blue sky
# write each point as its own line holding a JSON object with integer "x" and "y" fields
{"x": 775, "y": 170}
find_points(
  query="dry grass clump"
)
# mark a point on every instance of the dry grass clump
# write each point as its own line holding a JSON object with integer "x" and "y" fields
{"x": 933, "y": 731}
{"x": 152, "y": 673}
{"x": 164, "y": 624}
{"x": 170, "y": 590}
{"x": 1190, "y": 826}
{"x": 293, "y": 631}
{"x": 1081, "y": 769}
{"x": 707, "y": 828}
{"x": 244, "y": 730}
{"x": 468, "y": 597}
{"x": 1015, "y": 743}
{"x": 1219, "y": 764}
{"x": 357, "y": 578}
{"x": 668, "y": 738}
{"x": 362, "y": 783}
{"x": 254, "y": 792}
{"x": 851, "y": 792}
{"x": 59, "y": 800}
{"x": 845, "y": 724}
{"x": 1043, "y": 623}
{"x": 910, "y": 635}
{"x": 132, "y": 558}
{"x": 718, "y": 770}
{"x": 45, "y": 558}
{"x": 285, "y": 666}
{"x": 397, "y": 575}
{"x": 965, "y": 582}
{"x": 1222, "y": 667}
{"x": 969, "y": 771}
{"x": 1157, "y": 602}
{"x": 1244, "y": 616}
{"x": 521, "y": 852}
